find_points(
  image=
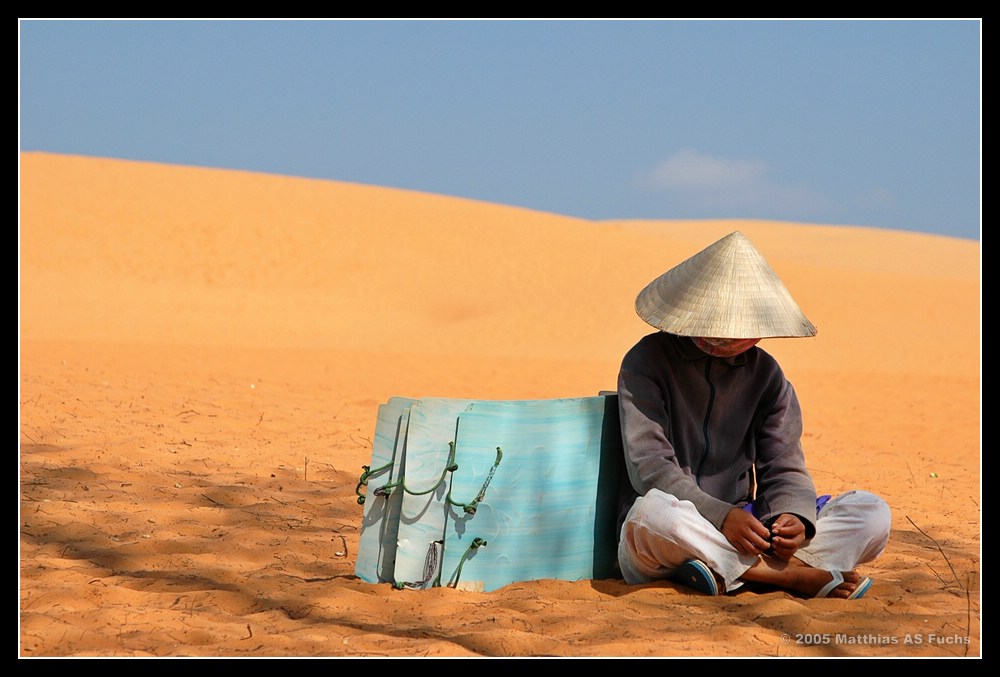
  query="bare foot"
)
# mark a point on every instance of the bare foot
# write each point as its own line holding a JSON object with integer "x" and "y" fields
{"x": 799, "y": 577}
{"x": 809, "y": 581}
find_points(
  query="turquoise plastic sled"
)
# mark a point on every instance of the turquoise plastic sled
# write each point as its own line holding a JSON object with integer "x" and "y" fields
{"x": 477, "y": 494}
{"x": 380, "y": 519}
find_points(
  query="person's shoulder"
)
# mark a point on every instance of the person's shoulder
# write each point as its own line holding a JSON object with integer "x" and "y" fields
{"x": 655, "y": 342}
{"x": 765, "y": 363}
{"x": 653, "y": 352}
{"x": 763, "y": 356}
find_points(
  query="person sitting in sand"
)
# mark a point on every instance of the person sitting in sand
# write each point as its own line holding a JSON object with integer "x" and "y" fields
{"x": 718, "y": 493}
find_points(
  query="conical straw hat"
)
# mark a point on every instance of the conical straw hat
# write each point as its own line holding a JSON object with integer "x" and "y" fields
{"x": 727, "y": 290}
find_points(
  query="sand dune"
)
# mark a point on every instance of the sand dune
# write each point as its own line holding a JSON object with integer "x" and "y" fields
{"x": 202, "y": 353}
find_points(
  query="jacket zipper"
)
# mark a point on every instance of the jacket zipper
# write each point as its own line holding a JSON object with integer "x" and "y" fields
{"x": 708, "y": 416}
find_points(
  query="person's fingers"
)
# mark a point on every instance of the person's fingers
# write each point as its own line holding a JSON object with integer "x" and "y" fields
{"x": 783, "y": 520}
{"x": 786, "y": 525}
{"x": 783, "y": 550}
{"x": 756, "y": 544}
{"x": 759, "y": 528}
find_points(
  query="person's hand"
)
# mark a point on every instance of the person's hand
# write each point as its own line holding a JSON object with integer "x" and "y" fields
{"x": 787, "y": 535}
{"x": 745, "y": 532}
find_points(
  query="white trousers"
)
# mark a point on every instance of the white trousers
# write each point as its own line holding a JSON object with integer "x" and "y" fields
{"x": 661, "y": 532}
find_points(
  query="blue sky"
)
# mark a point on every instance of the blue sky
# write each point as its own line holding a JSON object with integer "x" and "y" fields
{"x": 871, "y": 123}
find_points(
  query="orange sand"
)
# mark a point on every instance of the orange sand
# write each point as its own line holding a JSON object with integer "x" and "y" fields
{"x": 202, "y": 353}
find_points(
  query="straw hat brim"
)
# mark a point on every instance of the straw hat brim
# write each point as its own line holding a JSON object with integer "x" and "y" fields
{"x": 727, "y": 290}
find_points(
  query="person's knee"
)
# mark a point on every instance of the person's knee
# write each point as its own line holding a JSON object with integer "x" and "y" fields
{"x": 863, "y": 500}
{"x": 656, "y": 512}
{"x": 875, "y": 509}
{"x": 873, "y": 517}
{"x": 654, "y": 530}
{"x": 881, "y": 519}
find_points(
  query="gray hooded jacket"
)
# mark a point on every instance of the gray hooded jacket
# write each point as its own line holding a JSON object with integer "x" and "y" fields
{"x": 719, "y": 432}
